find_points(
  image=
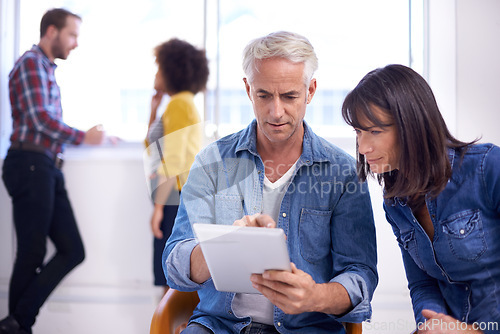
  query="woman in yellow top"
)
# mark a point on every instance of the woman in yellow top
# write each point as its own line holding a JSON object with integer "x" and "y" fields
{"x": 175, "y": 138}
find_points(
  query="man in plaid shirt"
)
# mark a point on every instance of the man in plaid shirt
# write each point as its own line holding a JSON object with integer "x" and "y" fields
{"x": 32, "y": 174}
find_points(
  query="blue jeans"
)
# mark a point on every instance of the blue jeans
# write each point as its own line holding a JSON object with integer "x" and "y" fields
{"x": 41, "y": 210}
{"x": 253, "y": 328}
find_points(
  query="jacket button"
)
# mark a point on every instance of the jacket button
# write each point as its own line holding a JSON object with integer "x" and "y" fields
{"x": 284, "y": 215}
{"x": 279, "y": 324}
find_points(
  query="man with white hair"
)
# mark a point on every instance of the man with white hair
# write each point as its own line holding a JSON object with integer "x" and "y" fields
{"x": 298, "y": 182}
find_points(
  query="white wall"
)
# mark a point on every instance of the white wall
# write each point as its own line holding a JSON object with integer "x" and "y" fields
{"x": 108, "y": 192}
{"x": 478, "y": 70}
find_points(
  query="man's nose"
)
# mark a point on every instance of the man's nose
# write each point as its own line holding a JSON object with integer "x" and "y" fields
{"x": 277, "y": 108}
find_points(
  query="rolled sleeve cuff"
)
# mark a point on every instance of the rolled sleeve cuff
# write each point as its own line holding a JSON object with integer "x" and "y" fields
{"x": 178, "y": 267}
{"x": 358, "y": 293}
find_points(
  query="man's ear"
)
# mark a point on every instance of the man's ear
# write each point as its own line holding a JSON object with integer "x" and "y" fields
{"x": 51, "y": 31}
{"x": 247, "y": 87}
{"x": 311, "y": 90}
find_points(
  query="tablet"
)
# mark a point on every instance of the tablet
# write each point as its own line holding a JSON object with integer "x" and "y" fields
{"x": 233, "y": 253}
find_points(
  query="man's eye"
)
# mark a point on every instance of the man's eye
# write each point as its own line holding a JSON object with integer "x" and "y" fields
{"x": 375, "y": 132}
{"x": 262, "y": 96}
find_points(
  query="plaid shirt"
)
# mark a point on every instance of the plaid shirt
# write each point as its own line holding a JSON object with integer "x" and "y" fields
{"x": 36, "y": 104}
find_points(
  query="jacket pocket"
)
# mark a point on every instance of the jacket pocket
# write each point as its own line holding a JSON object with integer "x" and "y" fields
{"x": 228, "y": 208}
{"x": 465, "y": 234}
{"x": 408, "y": 242}
{"x": 314, "y": 234}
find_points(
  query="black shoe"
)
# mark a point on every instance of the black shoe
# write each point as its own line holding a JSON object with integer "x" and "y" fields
{"x": 9, "y": 325}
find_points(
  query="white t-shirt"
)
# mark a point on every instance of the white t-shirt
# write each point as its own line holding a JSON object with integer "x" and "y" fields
{"x": 256, "y": 305}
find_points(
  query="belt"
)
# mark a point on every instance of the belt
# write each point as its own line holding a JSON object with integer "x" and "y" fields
{"x": 30, "y": 147}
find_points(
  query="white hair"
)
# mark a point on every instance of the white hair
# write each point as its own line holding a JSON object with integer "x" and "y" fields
{"x": 281, "y": 44}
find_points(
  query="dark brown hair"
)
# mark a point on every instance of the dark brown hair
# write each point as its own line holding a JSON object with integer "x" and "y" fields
{"x": 182, "y": 66}
{"x": 423, "y": 136}
{"x": 56, "y": 17}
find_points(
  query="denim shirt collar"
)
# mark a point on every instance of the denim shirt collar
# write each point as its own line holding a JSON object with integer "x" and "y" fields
{"x": 311, "y": 146}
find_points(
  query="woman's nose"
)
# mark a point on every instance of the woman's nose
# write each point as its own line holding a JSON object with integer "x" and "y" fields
{"x": 364, "y": 145}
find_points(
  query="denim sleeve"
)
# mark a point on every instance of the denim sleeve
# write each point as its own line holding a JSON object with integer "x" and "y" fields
{"x": 491, "y": 179}
{"x": 424, "y": 290}
{"x": 196, "y": 206}
{"x": 178, "y": 269}
{"x": 355, "y": 250}
{"x": 491, "y": 184}
{"x": 358, "y": 290}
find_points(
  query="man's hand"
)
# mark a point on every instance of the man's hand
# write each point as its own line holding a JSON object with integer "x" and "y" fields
{"x": 296, "y": 292}
{"x": 94, "y": 136}
{"x": 439, "y": 323}
{"x": 256, "y": 220}
{"x": 290, "y": 291}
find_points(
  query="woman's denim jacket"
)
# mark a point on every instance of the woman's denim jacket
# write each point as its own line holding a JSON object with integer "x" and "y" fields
{"x": 326, "y": 214}
{"x": 458, "y": 273}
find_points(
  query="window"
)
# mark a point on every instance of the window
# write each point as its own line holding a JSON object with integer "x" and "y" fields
{"x": 350, "y": 38}
{"x": 108, "y": 79}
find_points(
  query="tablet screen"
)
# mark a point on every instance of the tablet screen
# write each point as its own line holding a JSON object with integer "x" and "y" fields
{"x": 233, "y": 253}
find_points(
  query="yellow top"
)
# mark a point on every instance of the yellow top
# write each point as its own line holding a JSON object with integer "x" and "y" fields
{"x": 181, "y": 141}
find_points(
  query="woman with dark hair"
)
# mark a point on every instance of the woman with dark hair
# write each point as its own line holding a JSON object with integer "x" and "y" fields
{"x": 441, "y": 197}
{"x": 174, "y": 139}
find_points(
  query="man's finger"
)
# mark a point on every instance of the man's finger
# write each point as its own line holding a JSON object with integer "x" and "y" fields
{"x": 428, "y": 314}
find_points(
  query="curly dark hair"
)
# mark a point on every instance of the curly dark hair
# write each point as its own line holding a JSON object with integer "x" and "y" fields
{"x": 182, "y": 66}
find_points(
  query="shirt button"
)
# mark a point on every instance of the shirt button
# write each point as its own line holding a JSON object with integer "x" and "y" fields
{"x": 284, "y": 215}
{"x": 466, "y": 288}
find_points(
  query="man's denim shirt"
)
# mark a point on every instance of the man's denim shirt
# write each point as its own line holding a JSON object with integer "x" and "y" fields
{"x": 325, "y": 213}
{"x": 458, "y": 273}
